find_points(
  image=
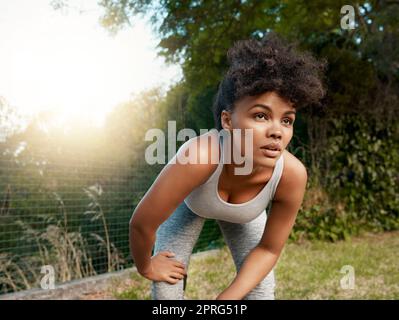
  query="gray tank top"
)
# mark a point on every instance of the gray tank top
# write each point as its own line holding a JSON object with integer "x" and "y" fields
{"x": 205, "y": 200}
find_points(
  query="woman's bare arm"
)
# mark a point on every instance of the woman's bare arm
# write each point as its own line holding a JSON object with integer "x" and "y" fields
{"x": 174, "y": 183}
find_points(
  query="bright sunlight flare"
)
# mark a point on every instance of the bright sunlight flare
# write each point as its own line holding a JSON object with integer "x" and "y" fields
{"x": 65, "y": 62}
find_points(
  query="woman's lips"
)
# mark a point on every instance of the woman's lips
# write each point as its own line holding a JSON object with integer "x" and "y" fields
{"x": 270, "y": 153}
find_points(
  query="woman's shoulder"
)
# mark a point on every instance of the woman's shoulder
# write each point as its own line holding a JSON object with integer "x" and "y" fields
{"x": 202, "y": 149}
{"x": 291, "y": 162}
{"x": 294, "y": 175}
{"x": 200, "y": 155}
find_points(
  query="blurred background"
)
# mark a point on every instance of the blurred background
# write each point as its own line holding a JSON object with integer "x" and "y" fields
{"x": 82, "y": 81}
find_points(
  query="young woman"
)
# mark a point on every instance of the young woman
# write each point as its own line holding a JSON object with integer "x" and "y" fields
{"x": 268, "y": 81}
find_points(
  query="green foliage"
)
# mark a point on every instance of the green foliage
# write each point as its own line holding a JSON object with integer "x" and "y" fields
{"x": 364, "y": 170}
{"x": 360, "y": 186}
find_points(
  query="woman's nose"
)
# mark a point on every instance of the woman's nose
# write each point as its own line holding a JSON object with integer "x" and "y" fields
{"x": 276, "y": 135}
{"x": 275, "y": 131}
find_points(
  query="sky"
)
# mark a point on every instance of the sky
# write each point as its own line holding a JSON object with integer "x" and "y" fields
{"x": 64, "y": 61}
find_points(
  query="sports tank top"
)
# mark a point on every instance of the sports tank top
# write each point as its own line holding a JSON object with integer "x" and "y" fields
{"x": 205, "y": 200}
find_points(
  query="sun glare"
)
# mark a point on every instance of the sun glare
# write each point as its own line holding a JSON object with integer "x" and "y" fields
{"x": 71, "y": 65}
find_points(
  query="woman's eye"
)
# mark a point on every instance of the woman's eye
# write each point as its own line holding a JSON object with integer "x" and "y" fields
{"x": 260, "y": 114}
{"x": 263, "y": 116}
{"x": 289, "y": 121}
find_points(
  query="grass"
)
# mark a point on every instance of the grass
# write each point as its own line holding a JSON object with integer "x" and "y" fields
{"x": 310, "y": 270}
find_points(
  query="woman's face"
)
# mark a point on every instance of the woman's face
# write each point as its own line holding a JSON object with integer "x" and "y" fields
{"x": 271, "y": 119}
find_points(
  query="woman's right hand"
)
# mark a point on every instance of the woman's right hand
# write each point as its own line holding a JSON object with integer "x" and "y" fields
{"x": 163, "y": 268}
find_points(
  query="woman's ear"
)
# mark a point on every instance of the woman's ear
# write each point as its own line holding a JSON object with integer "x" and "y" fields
{"x": 225, "y": 119}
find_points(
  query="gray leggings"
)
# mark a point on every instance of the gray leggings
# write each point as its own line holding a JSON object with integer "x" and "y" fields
{"x": 180, "y": 232}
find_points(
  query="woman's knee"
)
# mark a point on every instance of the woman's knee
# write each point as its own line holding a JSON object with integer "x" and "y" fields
{"x": 264, "y": 290}
{"x": 166, "y": 291}
{"x": 264, "y": 294}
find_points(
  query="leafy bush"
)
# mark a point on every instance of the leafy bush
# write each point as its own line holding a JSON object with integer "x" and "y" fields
{"x": 359, "y": 191}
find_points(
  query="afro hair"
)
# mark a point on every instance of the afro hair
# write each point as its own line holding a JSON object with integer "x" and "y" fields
{"x": 266, "y": 65}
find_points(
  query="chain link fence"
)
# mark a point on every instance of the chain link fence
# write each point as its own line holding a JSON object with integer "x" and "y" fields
{"x": 72, "y": 214}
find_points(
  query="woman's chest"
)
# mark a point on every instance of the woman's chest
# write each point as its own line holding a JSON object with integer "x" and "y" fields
{"x": 238, "y": 192}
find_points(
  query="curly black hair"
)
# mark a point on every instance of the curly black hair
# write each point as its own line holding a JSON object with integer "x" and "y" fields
{"x": 269, "y": 64}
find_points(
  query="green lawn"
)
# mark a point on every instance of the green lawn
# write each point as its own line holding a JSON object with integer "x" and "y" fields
{"x": 310, "y": 270}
